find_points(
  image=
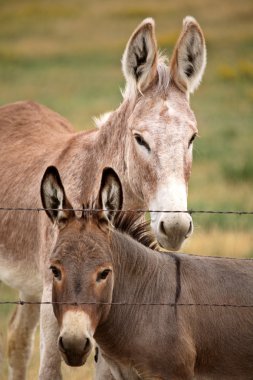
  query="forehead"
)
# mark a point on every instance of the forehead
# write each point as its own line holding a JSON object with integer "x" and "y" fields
{"x": 155, "y": 109}
{"x": 79, "y": 241}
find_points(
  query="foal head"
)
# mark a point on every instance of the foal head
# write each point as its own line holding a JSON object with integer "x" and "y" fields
{"x": 81, "y": 263}
{"x": 161, "y": 127}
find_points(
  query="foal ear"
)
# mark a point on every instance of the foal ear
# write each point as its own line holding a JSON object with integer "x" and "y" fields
{"x": 139, "y": 61}
{"x": 189, "y": 57}
{"x": 110, "y": 194}
{"x": 53, "y": 197}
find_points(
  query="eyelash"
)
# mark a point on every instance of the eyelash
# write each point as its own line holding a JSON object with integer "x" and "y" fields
{"x": 56, "y": 272}
{"x": 103, "y": 275}
{"x": 192, "y": 139}
{"x": 140, "y": 140}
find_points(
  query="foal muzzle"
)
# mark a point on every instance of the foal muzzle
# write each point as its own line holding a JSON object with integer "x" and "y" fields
{"x": 74, "y": 351}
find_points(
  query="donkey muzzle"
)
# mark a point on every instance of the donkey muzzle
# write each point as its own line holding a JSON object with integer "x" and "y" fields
{"x": 75, "y": 341}
{"x": 173, "y": 229}
{"x": 74, "y": 351}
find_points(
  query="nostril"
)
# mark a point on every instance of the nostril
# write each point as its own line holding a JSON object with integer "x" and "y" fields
{"x": 87, "y": 345}
{"x": 162, "y": 228}
{"x": 189, "y": 230}
{"x": 96, "y": 355}
{"x": 61, "y": 345}
{"x": 82, "y": 345}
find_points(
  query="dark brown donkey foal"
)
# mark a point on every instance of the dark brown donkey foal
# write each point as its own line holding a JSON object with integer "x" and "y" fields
{"x": 97, "y": 266}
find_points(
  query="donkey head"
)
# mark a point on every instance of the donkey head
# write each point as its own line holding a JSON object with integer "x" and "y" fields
{"x": 81, "y": 263}
{"x": 161, "y": 127}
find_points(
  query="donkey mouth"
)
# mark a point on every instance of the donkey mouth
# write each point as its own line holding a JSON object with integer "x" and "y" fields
{"x": 74, "y": 359}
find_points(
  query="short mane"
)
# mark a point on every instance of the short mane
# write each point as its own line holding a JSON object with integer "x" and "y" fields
{"x": 128, "y": 222}
{"x": 132, "y": 224}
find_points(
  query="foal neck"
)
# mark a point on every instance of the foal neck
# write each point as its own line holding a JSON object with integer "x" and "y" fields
{"x": 141, "y": 277}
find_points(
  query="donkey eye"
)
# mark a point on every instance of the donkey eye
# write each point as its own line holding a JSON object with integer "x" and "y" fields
{"x": 140, "y": 140}
{"x": 192, "y": 139}
{"x": 103, "y": 275}
{"x": 56, "y": 272}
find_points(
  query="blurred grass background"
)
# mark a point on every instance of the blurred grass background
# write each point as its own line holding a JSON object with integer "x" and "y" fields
{"x": 66, "y": 55}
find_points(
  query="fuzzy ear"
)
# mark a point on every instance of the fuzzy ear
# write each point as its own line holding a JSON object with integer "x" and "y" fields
{"x": 110, "y": 196}
{"x": 53, "y": 197}
{"x": 189, "y": 57}
{"x": 139, "y": 62}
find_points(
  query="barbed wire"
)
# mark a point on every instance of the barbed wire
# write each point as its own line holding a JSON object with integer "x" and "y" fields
{"x": 170, "y": 304}
{"x": 89, "y": 210}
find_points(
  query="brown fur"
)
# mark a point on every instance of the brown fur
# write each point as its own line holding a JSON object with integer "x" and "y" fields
{"x": 159, "y": 342}
{"x": 34, "y": 137}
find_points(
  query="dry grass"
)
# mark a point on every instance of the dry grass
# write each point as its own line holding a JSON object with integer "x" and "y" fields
{"x": 233, "y": 243}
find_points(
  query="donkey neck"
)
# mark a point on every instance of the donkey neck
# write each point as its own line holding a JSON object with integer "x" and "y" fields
{"x": 142, "y": 276}
{"x": 87, "y": 153}
{"x": 114, "y": 139}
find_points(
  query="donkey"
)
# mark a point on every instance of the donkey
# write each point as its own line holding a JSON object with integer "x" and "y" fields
{"x": 147, "y": 140}
{"x": 97, "y": 267}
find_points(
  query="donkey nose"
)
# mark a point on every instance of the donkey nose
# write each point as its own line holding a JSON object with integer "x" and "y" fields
{"x": 74, "y": 350}
{"x": 173, "y": 230}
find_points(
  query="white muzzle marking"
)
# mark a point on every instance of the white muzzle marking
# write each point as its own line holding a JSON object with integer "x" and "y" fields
{"x": 171, "y": 229}
{"x": 76, "y": 324}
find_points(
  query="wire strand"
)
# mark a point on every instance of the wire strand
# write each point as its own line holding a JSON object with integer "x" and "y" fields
{"x": 38, "y": 209}
{"x": 170, "y": 304}
{"x": 88, "y": 210}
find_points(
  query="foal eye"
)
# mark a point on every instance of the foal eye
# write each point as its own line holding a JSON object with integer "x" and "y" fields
{"x": 140, "y": 140}
{"x": 103, "y": 275}
{"x": 56, "y": 272}
{"x": 192, "y": 139}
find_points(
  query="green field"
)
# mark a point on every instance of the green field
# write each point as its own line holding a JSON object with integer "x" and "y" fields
{"x": 66, "y": 55}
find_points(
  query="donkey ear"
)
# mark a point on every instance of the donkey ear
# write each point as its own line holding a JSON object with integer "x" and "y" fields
{"x": 110, "y": 194}
{"x": 189, "y": 57}
{"x": 139, "y": 61}
{"x": 53, "y": 197}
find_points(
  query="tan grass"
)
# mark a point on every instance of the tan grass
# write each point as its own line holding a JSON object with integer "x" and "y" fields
{"x": 221, "y": 243}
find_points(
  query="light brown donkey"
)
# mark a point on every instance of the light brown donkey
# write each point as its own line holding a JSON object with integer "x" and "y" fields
{"x": 147, "y": 140}
{"x": 102, "y": 266}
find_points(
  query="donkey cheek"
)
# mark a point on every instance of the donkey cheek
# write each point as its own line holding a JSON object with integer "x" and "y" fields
{"x": 56, "y": 306}
{"x": 102, "y": 314}
{"x": 57, "y": 309}
{"x": 142, "y": 184}
{"x": 187, "y": 170}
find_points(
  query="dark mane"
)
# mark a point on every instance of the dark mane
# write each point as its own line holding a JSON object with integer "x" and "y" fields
{"x": 129, "y": 222}
{"x": 132, "y": 223}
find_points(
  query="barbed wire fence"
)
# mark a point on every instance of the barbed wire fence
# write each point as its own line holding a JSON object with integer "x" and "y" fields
{"x": 89, "y": 210}
{"x": 169, "y": 304}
